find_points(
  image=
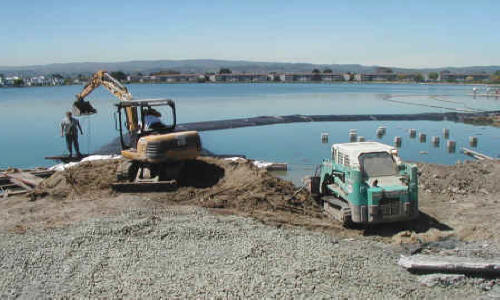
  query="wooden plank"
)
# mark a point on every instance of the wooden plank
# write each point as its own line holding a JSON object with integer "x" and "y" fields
{"x": 21, "y": 184}
{"x": 43, "y": 173}
{"x": 476, "y": 154}
{"x": 25, "y": 177}
{"x": 8, "y": 193}
{"x": 65, "y": 158}
{"x": 6, "y": 186}
{"x": 450, "y": 264}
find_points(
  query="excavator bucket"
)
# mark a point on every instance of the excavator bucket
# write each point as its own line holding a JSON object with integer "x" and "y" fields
{"x": 83, "y": 108}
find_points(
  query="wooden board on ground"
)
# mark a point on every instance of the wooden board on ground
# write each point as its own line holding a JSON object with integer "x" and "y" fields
{"x": 141, "y": 187}
{"x": 21, "y": 184}
{"x": 450, "y": 264}
{"x": 25, "y": 177}
{"x": 66, "y": 159}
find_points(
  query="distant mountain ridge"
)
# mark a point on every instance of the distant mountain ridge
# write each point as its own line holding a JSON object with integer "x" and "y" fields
{"x": 213, "y": 65}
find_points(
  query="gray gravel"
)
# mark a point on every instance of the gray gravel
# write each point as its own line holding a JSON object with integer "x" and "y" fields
{"x": 187, "y": 252}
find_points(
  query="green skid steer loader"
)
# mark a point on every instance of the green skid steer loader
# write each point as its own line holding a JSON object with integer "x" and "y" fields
{"x": 366, "y": 183}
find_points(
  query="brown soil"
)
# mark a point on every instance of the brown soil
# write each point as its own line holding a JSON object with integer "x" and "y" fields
{"x": 465, "y": 196}
{"x": 90, "y": 180}
{"x": 456, "y": 201}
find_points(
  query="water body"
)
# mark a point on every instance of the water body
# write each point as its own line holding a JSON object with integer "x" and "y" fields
{"x": 30, "y": 117}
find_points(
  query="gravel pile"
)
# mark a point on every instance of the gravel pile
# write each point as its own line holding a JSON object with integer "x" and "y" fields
{"x": 187, "y": 252}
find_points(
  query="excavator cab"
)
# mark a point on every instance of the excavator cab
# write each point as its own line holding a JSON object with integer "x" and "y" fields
{"x": 155, "y": 117}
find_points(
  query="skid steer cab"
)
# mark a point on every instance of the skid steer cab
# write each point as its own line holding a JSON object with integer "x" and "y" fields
{"x": 155, "y": 152}
{"x": 366, "y": 183}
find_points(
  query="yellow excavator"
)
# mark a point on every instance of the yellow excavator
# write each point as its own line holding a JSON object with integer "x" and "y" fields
{"x": 154, "y": 150}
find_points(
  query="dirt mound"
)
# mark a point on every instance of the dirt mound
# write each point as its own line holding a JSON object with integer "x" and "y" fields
{"x": 207, "y": 182}
{"x": 464, "y": 197}
{"x": 215, "y": 183}
{"x": 90, "y": 179}
{"x": 470, "y": 177}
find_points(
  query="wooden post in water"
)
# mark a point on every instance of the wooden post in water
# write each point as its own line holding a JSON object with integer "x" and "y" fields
{"x": 422, "y": 137}
{"x": 435, "y": 141}
{"x": 413, "y": 133}
{"x": 451, "y": 146}
{"x": 446, "y": 133}
{"x": 473, "y": 141}
{"x": 353, "y": 135}
{"x": 397, "y": 141}
{"x": 324, "y": 137}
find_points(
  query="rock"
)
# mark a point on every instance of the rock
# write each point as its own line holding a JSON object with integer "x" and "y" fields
{"x": 483, "y": 191}
{"x": 443, "y": 279}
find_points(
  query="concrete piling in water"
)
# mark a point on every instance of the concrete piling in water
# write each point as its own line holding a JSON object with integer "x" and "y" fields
{"x": 324, "y": 137}
{"x": 361, "y": 138}
{"x": 422, "y": 137}
{"x": 412, "y": 132}
{"x": 353, "y": 135}
{"x": 446, "y": 133}
{"x": 435, "y": 141}
{"x": 451, "y": 146}
{"x": 397, "y": 141}
{"x": 473, "y": 141}
{"x": 381, "y": 130}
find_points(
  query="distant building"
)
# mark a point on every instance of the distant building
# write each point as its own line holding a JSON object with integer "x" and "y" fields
{"x": 452, "y": 77}
{"x": 240, "y": 77}
{"x": 44, "y": 81}
{"x": 376, "y": 77}
{"x": 173, "y": 78}
{"x": 332, "y": 77}
{"x": 307, "y": 77}
{"x": 346, "y": 76}
{"x": 11, "y": 80}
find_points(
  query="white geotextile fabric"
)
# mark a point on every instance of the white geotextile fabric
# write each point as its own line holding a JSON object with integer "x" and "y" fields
{"x": 63, "y": 166}
{"x": 257, "y": 163}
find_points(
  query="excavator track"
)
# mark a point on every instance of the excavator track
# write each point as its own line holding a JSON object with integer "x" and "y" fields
{"x": 337, "y": 209}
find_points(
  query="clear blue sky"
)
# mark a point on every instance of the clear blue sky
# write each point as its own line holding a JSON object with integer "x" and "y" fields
{"x": 383, "y": 32}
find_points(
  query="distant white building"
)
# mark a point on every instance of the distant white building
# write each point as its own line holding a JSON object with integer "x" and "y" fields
{"x": 11, "y": 80}
{"x": 44, "y": 81}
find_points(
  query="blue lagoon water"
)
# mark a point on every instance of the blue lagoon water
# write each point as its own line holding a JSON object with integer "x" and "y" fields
{"x": 30, "y": 117}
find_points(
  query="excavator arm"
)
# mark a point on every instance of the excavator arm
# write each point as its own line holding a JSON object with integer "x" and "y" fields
{"x": 101, "y": 77}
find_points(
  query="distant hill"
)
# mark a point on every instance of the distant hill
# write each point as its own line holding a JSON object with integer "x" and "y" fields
{"x": 211, "y": 65}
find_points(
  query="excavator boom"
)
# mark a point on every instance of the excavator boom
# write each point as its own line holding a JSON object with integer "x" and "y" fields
{"x": 101, "y": 77}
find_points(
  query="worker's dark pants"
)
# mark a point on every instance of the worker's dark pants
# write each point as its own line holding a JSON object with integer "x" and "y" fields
{"x": 72, "y": 139}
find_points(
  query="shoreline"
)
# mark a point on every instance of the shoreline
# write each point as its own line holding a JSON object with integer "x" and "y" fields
{"x": 280, "y": 82}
